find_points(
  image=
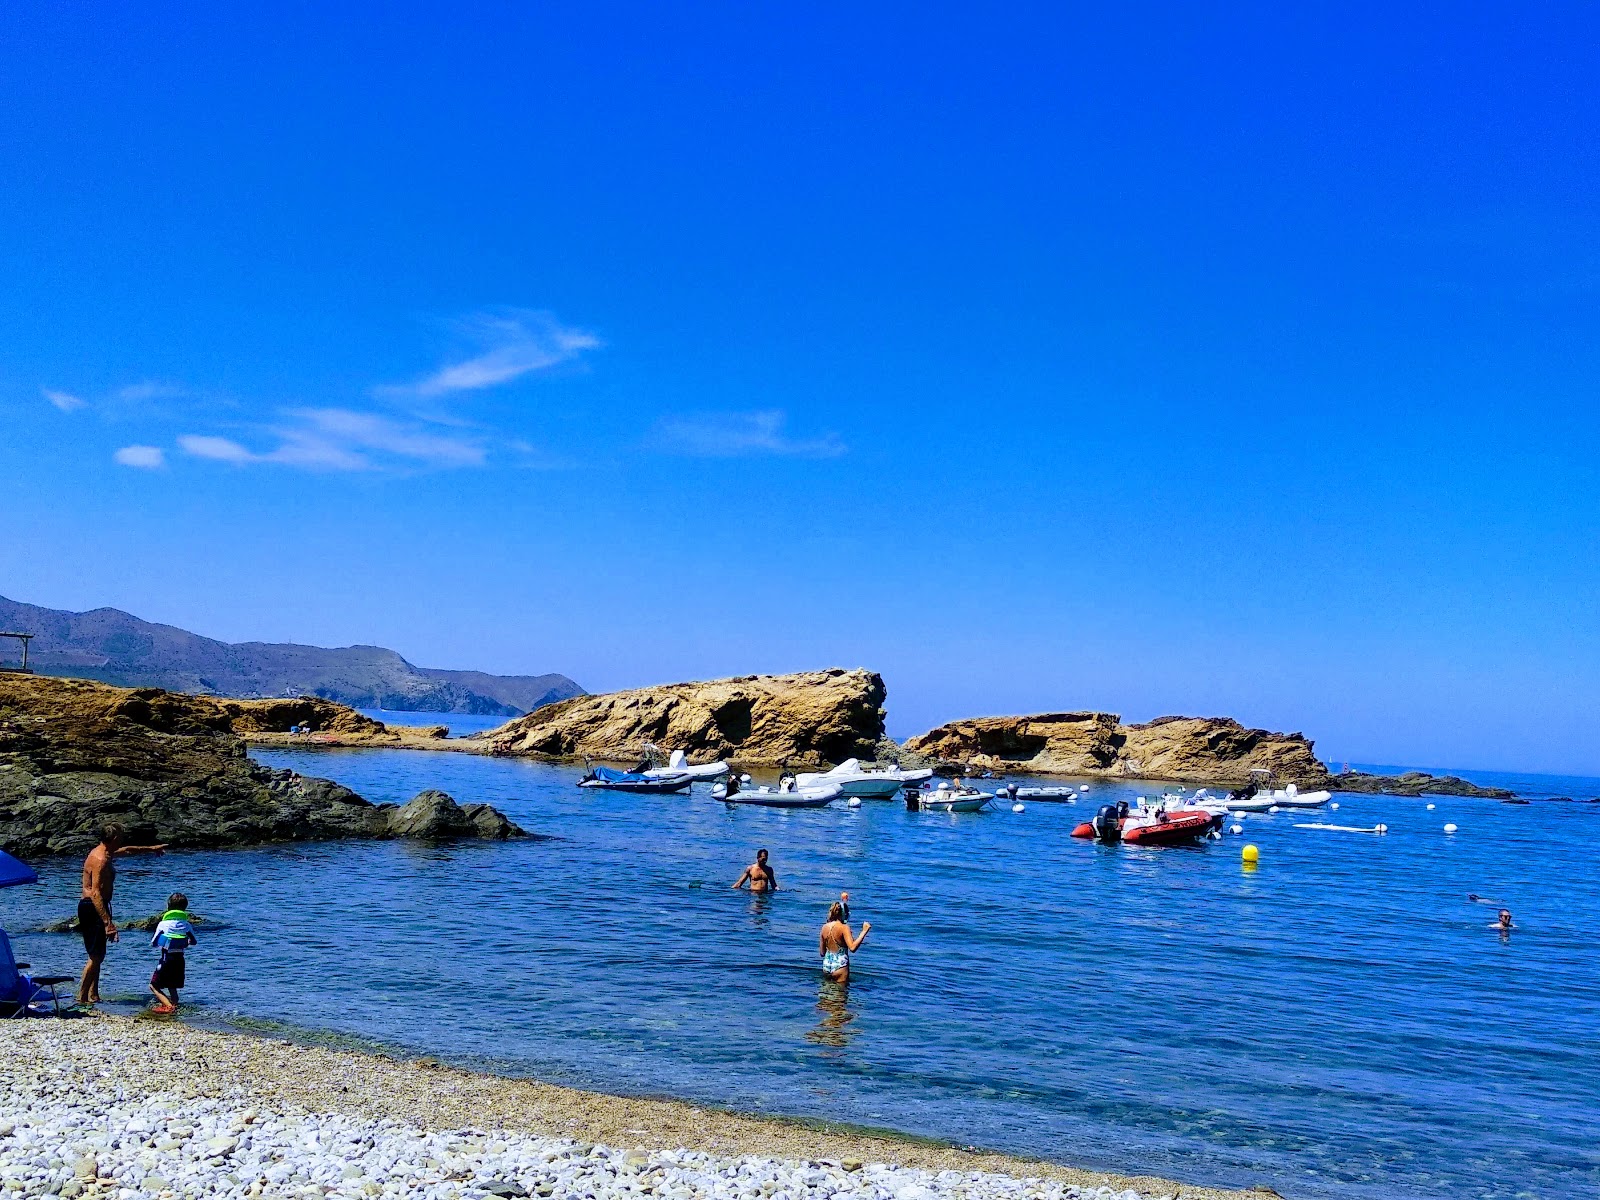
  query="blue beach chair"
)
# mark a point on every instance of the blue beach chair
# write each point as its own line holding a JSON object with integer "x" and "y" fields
{"x": 24, "y": 995}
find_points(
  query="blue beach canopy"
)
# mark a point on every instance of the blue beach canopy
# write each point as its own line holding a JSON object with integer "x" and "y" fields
{"x": 13, "y": 872}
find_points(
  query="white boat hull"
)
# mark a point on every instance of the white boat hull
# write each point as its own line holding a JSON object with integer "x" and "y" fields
{"x": 962, "y": 802}
{"x": 868, "y": 785}
{"x": 770, "y": 797}
{"x": 1263, "y": 801}
{"x": 678, "y": 764}
{"x": 709, "y": 771}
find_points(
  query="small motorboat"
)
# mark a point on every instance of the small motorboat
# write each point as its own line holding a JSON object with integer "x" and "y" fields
{"x": 678, "y": 764}
{"x": 1155, "y": 825}
{"x": 945, "y": 798}
{"x": 870, "y": 784}
{"x": 633, "y": 781}
{"x": 788, "y": 794}
{"x": 1051, "y": 795}
{"x": 1288, "y": 797}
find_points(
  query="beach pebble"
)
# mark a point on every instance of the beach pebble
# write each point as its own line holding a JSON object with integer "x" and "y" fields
{"x": 114, "y": 1135}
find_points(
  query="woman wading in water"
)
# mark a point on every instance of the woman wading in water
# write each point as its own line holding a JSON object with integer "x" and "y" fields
{"x": 838, "y": 943}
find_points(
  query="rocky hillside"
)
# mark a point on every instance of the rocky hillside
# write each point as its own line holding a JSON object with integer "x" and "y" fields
{"x": 74, "y": 754}
{"x": 1202, "y": 750}
{"x": 805, "y": 719}
{"x": 114, "y": 647}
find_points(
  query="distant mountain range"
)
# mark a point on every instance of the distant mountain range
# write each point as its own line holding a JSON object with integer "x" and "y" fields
{"x": 116, "y": 647}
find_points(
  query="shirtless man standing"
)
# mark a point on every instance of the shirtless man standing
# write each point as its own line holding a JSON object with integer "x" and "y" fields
{"x": 94, "y": 910}
{"x": 759, "y": 875}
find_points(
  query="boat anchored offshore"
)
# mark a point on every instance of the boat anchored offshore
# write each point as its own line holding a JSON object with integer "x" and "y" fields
{"x": 678, "y": 764}
{"x": 1154, "y": 825}
{"x": 855, "y": 780}
{"x": 788, "y": 794}
{"x": 633, "y": 781}
{"x": 1053, "y": 795}
{"x": 945, "y": 798}
{"x": 1257, "y": 796}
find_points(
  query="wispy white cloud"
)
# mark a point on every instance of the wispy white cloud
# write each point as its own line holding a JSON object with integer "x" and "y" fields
{"x": 149, "y": 390}
{"x": 341, "y": 439}
{"x": 146, "y": 458}
{"x": 425, "y": 425}
{"x": 65, "y": 401}
{"x": 217, "y": 449}
{"x": 739, "y": 434}
{"x": 510, "y": 343}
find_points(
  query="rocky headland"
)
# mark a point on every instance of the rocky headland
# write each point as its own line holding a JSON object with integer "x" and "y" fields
{"x": 171, "y": 767}
{"x": 118, "y": 648}
{"x": 806, "y": 719}
{"x": 1218, "y": 751}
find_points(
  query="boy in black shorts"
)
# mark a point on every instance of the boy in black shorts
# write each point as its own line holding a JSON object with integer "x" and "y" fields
{"x": 173, "y": 936}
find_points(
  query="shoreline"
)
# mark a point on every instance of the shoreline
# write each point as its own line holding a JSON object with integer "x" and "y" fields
{"x": 164, "y": 1061}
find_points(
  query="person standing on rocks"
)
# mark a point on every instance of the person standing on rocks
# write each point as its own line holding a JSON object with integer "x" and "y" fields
{"x": 95, "y": 923}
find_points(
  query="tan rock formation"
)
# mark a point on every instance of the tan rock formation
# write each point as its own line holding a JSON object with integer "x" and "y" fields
{"x": 248, "y": 717}
{"x": 806, "y": 719}
{"x": 1205, "y": 750}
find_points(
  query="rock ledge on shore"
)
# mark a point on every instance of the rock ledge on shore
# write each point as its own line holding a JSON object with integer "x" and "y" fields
{"x": 74, "y": 754}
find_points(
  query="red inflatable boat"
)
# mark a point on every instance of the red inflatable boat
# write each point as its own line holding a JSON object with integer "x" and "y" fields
{"x": 1115, "y": 823}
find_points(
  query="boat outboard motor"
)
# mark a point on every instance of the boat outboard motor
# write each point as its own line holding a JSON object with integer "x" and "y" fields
{"x": 1247, "y": 792}
{"x": 1106, "y": 823}
{"x": 1011, "y": 790}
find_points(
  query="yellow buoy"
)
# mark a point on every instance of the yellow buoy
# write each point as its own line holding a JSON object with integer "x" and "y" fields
{"x": 1251, "y": 855}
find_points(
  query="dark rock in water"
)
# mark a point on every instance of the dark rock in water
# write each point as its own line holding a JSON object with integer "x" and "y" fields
{"x": 490, "y": 822}
{"x": 435, "y": 814}
{"x": 1413, "y": 783}
{"x": 75, "y": 754}
{"x": 142, "y": 925}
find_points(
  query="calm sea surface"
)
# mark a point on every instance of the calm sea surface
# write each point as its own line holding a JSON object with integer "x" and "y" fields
{"x": 1340, "y": 1022}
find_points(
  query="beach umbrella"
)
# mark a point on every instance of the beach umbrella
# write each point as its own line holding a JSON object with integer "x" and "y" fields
{"x": 13, "y": 872}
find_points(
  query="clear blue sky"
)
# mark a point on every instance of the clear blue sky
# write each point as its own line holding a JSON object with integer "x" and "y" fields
{"x": 1105, "y": 357}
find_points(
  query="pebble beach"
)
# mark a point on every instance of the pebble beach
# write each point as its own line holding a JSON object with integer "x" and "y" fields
{"x": 135, "y": 1108}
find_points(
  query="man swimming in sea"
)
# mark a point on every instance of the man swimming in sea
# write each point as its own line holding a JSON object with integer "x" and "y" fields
{"x": 94, "y": 909}
{"x": 759, "y": 875}
{"x": 1503, "y": 922}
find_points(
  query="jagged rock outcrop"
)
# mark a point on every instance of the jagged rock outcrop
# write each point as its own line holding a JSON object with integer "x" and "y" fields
{"x": 1413, "y": 783}
{"x": 74, "y": 754}
{"x": 1205, "y": 750}
{"x": 806, "y": 719}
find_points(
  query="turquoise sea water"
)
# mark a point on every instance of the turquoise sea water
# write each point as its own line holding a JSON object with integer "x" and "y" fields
{"x": 1340, "y": 1022}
